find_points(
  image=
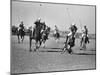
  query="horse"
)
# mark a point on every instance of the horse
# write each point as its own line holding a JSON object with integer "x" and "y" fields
{"x": 45, "y": 34}
{"x": 70, "y": 42}
{"x": 36, "y": 35}
{"x": 20, "y": 34}
{"x": 48, "y": 32}
{"x": 84, "y": 41}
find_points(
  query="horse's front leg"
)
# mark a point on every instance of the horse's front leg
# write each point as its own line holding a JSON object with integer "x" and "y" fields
{"x": 36, "y": 45}
{"x": 40, "y": 42}
{"x": 84, "y": 46}
{"x": 22, "y": 38}
{"x": 69, "y": 49}
{"x": 18, "y": 38}
{"x": 30, "y": 44}
{"x": 44, "y": 43}
{"x": 81, "y": 41}
{"x": 64, "y": 47}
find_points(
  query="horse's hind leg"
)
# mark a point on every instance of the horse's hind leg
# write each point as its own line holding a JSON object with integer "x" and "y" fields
{"x": 64, "y": 48}
{"x": 81, "y": 43}
{"x": 36, "y": 46}
{"x": 18, "y": 39}
{"x": 30, "y": 44}
{"x": 70, "y": 50}
{"x": 22, "y": 38}
{"x": 44, "y": 43}
{"x": 40, "y": 42}
{"x": 84, "y": 46}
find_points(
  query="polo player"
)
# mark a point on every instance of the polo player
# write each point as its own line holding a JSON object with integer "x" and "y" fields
{"x": 56, "y": 33}
{"x": 56, "y": 29}
{"x": 70, "y": 39}
{"x": 72, "y": 32}
{"x": 21, "y": 26}
{"x": 21, "y": 32}
{"x": 37, "y": 24}
{"x": 84, "y": 31}
{"x": 84, "y": 35}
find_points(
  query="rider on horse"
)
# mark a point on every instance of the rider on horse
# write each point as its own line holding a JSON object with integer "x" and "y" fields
{"x": 70, "y": 39}
{"x": 21, "y": 31}
{"x": 37, "y": 24}
{"x": 72, "y": 33}
{"x": 56, "y": 33}
{"x": 85, "y": 35}
{"x": 47, "y": 31}
{"x": 56, "y": 30}
{"x": 21, "y": 26}
{"x": 85, "y": 31}
{"x": 43, "y": 27}
{"x": 43, "y": 31}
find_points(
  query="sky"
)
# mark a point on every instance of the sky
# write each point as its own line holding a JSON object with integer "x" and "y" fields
{"x": 62, "y": 15}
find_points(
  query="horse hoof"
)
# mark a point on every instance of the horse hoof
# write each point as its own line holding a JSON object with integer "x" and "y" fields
{"x": 70, "y": 52}
{"x": 62, "y": 52}
{"x": 63, "y": 49}
{"x": 81, "y": 49}
{"x": 30, "y": 50}
{"x": 35, "y": 50}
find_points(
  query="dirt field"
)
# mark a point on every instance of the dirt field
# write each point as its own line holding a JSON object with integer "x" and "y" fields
{"x": 50, "y": 57}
